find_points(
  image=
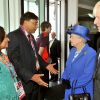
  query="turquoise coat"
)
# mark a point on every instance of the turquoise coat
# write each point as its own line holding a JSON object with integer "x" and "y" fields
{"x": 81, "y": 69}
{"x": 7, "y": 89}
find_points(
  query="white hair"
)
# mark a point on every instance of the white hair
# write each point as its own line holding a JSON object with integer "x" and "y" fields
{"x": 97, "y": 6}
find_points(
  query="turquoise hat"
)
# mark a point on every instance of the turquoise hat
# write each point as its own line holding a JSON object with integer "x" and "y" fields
{"x": 79, "y": 30}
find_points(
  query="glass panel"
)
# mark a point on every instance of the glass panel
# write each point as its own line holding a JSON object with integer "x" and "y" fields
{"x": 54, "y": 18}
{"x": 25, "y": 6}
{"x": 58, "y": 21}
{"x": 33, "y": 7}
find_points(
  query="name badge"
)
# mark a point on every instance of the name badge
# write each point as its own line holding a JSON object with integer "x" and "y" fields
{"x": 19, "y": 89}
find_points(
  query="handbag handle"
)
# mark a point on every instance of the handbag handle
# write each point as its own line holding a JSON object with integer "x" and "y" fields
{"x": 73, "y": 87}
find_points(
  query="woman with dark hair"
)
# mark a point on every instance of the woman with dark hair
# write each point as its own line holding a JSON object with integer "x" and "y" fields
{"x": 7, "y": 73}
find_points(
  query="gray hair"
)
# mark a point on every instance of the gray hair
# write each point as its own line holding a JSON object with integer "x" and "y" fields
{"x": 97, "y": 6}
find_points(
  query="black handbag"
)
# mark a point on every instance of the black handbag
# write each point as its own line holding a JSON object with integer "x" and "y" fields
{"x": 81, "y": 96}
{"x": 57, "y": 91}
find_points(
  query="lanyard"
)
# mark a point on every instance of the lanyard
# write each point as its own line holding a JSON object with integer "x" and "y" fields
{"x": 5, "y": 60}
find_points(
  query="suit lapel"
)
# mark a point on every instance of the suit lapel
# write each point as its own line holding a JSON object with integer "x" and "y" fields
{"x": 24, "y": 38}
{"x": 97, "y": 68}
{"x": 53, "y": 43}
{"x": 98, "y": 54}
{"x": 98, "y": 62}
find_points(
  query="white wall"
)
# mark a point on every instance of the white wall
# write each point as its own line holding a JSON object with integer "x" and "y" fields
{"x": 15, "y": 13}
{"x": 10, "y": 21}
{"x": 2, "y": 12}
{"x": 72, "y": 15}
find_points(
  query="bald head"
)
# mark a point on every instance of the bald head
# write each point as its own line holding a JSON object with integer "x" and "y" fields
{"x": 53, "y": 35}
{"x": 96, "y": 12}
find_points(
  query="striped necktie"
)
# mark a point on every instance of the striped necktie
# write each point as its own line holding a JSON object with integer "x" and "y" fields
{"x": 31, "y": 39}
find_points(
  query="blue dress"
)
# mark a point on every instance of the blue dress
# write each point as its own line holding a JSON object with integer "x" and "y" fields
{"x": 7, "y": 89}
{"x": 80, "y": 70}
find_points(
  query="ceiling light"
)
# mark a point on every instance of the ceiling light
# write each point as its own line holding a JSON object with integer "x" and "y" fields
{"x": 90, "y": 15}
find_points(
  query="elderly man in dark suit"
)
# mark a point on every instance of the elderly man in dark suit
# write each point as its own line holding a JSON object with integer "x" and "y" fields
{"x": 23, "y": 54}
{"x": 96, "y": 12}
{"x": 55, "y": 52}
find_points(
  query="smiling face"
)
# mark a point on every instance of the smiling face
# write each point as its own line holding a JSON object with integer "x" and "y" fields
{"x": 53, "y": 35}
{"x": 4, "y": 43}
{"x": 48, "y": 30}
{"x": 75, "y": 40}
{"x": 31, "y": 25}
{"x": 3, "y": 39}
{"x": 96, "y": 12}
{"x": 29, "y": 22}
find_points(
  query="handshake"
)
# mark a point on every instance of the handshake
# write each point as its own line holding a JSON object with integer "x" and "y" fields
{"x": 57, "y": 92}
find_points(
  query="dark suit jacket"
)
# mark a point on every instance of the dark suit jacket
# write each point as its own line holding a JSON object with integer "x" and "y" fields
{"x": 97, "y": 79}
{"x": 55, "y": 50}
{"x": 98, "y": 43}
{"x": 23, "y": 58}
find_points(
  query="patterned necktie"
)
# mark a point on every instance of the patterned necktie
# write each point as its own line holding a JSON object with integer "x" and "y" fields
{"x": 31, "y": 39}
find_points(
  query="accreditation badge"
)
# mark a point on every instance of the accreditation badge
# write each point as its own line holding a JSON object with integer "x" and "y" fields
{"x": 19, "y": 89}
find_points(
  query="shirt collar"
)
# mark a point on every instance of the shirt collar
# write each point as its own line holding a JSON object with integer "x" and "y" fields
{"x": 25, "y": 32}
